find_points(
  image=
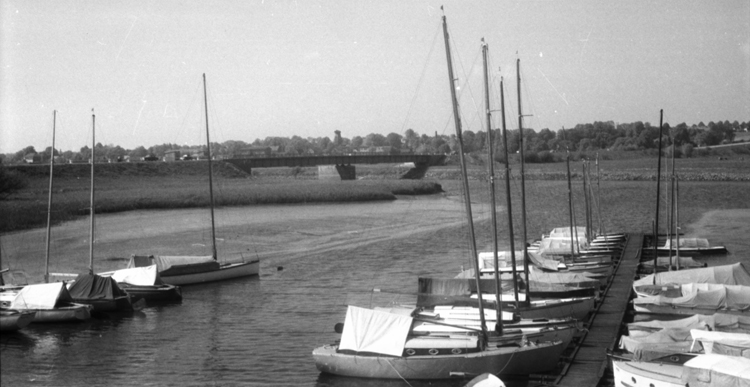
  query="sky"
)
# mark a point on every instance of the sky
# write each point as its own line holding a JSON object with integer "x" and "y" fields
{"x": 308, "y": 68}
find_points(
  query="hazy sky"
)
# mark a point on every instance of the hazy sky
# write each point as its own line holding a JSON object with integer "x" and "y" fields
{"x": 283, "y": 68}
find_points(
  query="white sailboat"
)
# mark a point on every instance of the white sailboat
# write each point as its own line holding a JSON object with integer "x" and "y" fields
{"x": 383, "y": 344}
{"x": 190, "y": 270}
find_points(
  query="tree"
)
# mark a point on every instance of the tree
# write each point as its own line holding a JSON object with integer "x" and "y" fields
{"x": 411, "y": 139}
{"x": 375, "y": 139}
{"x": 138, "y": 152}
{"x": 357, "y": 142}
{"x": 394, "y": 140}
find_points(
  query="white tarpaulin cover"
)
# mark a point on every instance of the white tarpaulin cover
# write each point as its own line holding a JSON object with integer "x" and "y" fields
{"x": 164, "y": 262}
{"x": 487, "y": 260}
{"x": 717, "y": 371}
{"x": 144, "y": 276}
{"x": 561, "y": 246}
{"x": 735, "y": 274}
{"x": 367, "y": 330}
{"x": 40, "y": 296}
{"x": 688, "y": 243}
{"x": 720, "y": 322}
{"x": 565, "y": 232}
{"x": 738, "y": 343}
{"x": 658, "y": 344}
{"x": 711, "y": 296}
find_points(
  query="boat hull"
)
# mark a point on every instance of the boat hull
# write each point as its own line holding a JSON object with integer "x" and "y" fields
{"x": 578, "y": 309}
{"x": 225, "y": 272}
{"x": 12, "y": 320}
{"x": 117, "y": 304}
{"x": 73, "y": 313}
{"x": 498, "y": 361}
{"x": 155, "y": 293}
{"x": 643, "y": 374}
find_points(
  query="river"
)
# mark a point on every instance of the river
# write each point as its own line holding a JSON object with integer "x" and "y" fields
{"x": 315, "y": 260}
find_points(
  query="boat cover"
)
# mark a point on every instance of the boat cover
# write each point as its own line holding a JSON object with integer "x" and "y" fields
{"x": 723, "y": 343}
{"x": 454, "y": 291}
{"x": 372, "y": 331}
{"x": 685, "y": 262}
{"x": 142, "y": 276}
{"x": 487, "y": 260}
{"x": 570, "y": 278}
{"x": 564, "y": 232}
{"x": 720, "y": 322}
{"x": 560, "y": 246}
{"x": 688, "y": 243}
{"x": 659, "y": 344}
{"x": 707, "y": 296}
{"x": 717, "y": 371}
{"x": 95, "y": 287}
{"x": 174, "y": 265}
{"x": 41, "y": 296}
{"x": 735, "y": 274}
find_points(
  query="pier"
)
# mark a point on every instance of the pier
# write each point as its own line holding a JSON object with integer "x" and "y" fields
{"x": 587, "y": 364}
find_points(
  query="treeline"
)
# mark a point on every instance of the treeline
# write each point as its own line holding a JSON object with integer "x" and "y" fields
{"x": 538, "y": 146}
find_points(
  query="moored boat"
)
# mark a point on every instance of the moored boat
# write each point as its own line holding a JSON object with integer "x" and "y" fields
{"x": 13, "y": 320}
{"x": 145, "y": 283}
{"x": 51, "y": 303}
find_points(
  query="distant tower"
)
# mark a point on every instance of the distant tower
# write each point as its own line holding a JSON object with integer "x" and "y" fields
{"x": 337, "y": 137}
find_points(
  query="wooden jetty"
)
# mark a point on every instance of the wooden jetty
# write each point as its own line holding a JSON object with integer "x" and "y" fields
{"x": 588, "y": 362}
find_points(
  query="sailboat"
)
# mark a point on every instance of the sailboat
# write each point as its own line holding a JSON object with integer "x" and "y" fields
{"x": 576, "y": 307}
{"x": 101, "y": 293}
{"x": 48, "y": 302}
{"x": 382, "y": 343}
{"x": 190, "y": 270}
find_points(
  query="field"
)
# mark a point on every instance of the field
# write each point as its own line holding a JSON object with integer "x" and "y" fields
{"x": 627, "y": 189}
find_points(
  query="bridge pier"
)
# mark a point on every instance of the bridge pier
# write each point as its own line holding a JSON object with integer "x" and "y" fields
{"x": 344, "y": 172}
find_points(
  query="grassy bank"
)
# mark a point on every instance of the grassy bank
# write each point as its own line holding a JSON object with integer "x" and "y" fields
{"x": 627, "y": 189}
{"x": 123, "y": 187}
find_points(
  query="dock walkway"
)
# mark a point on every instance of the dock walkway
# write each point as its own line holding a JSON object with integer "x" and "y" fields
{"x": 589, "y": 362}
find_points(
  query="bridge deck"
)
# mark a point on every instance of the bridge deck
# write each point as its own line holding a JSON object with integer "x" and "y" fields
{"x": 589, "y": 361}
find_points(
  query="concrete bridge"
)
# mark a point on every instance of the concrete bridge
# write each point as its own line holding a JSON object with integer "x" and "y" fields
{"x": 331, "y": 166}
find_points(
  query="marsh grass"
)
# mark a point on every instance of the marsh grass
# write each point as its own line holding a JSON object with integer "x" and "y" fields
{"x": 628, "y": 191}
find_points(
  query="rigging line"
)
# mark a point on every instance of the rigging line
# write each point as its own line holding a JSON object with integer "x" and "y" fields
{"x": 420, "y": 83}
{"x": 187, "y": 112}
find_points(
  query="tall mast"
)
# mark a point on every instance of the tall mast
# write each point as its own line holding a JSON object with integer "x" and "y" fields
{"x": 570, "y": 203}
{"x": 93, "y": 161}
{"x": 511, "y": 237}
{"x": 677, "y": 217}
{"x": 673, "y": 206}
{"x": 467, "y": 200}
{"x": 658, "y": 196}
{"x": 586, "y": 200}
{"x": 210, "y": 173}
{"x": 523, "y": 185}
{"x": 491, "y": 174}
{"x": 49, "y": 199}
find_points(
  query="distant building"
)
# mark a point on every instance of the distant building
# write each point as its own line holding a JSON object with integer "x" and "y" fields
{"x": 32, "y": 158}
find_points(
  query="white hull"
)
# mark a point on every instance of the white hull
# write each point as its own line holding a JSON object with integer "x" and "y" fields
{"x": 503, "y": 361}
{"x": 643, "y": 374}
{"x": 228, "y": 271}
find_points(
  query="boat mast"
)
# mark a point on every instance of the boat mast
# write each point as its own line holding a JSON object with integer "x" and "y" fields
{"x": 467, "y": 200}
{"x": 210, "y": 173}
{"x": 677, "y": 217}
{"x": 658, "y": 194}
{"x": 491, "y": 174}
{"x": 49, "y": 199}
{"x": 673, "y": 207}
{"x": 93, "y": 161}
{"x": 511, "y": 237}
{"x": 570, "y": 202}
{"x": 586, "y": 201}
{"x": 523, "y": 186}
